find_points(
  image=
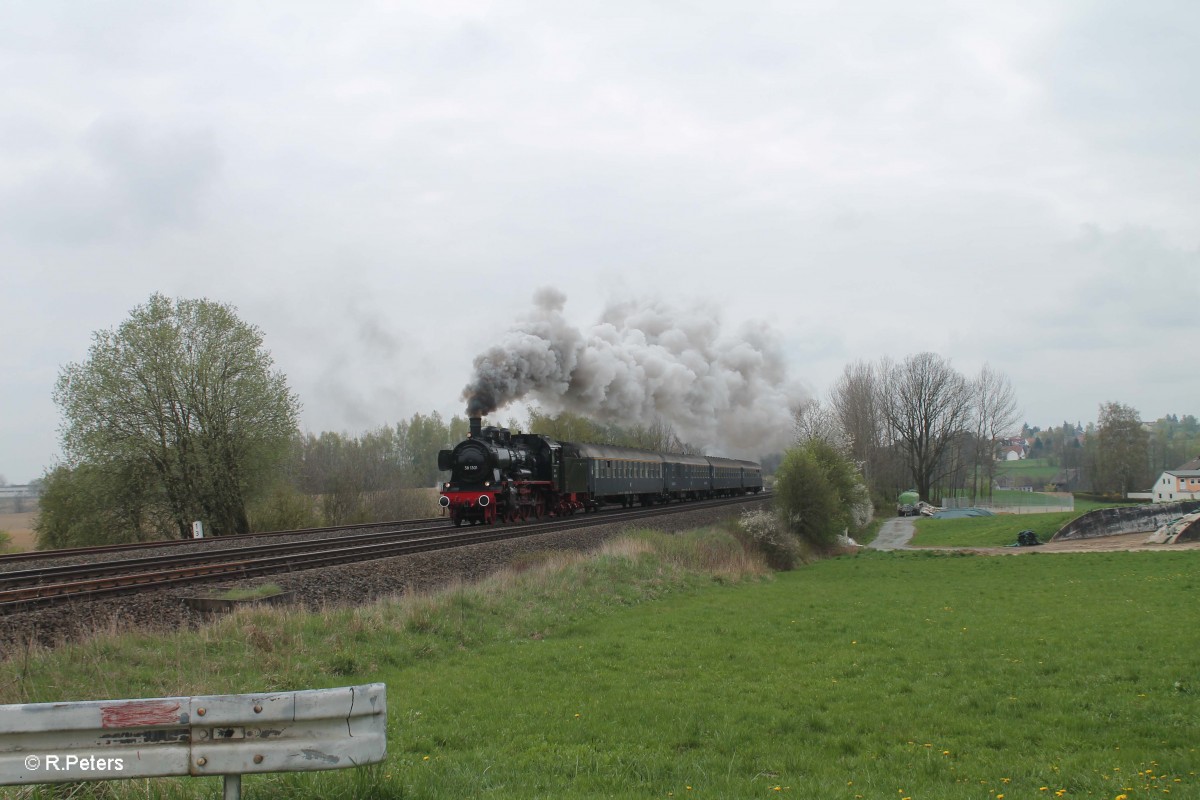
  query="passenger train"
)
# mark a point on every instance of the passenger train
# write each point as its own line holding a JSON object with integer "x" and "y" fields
{"x": 497, "y": 475}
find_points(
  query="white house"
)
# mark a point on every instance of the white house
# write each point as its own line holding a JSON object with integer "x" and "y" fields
{"x": 1012, "y": 452}
{"x": 1177, "y": 484}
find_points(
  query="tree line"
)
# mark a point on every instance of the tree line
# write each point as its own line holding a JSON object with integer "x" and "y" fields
{"x": 1120, "y": 452}
{"x": 918, "y": 423}
{"x": 179, "y": 415}
{"x": 921, "y": 424}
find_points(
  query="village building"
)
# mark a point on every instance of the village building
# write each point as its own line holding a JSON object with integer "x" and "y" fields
{"x": 1182, "y": 483}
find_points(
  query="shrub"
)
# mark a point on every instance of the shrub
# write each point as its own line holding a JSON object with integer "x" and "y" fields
{"x": 399, "y": 503}
{"x": 765, "y": 533}
{"x": 283, "y": 508}
{"x": 819, "y": 494}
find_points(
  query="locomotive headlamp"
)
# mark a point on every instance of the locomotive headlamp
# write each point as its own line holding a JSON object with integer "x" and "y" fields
{"x": 487, "y": 483}
{"x": 444, "y": 501}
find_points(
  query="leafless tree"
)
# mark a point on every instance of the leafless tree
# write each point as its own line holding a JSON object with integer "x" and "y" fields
{"x": 996, "y": 415}
{"x": 855, "y": 401}
{"x": 926, "y": 404}
{"x": 815, "y": 421}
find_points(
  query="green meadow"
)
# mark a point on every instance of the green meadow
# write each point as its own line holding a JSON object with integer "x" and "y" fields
{"x": 678, "y": 667}
{"x": 996, "y": 531}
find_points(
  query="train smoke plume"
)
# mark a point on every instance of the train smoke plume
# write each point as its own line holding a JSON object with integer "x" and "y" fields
{"x": 644, "y": 363}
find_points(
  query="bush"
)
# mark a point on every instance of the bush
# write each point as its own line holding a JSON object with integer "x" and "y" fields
{"x": 819, "y": 494}
{"x": 395, "y": 504}
{"x": 284, "y": 508}
{"x": 764, "y": 532}
{"x": 94, "y": 505}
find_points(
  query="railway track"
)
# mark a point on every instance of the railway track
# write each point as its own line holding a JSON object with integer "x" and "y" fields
{"x": 68, "y": 552}
{"x": 55, "y": 585}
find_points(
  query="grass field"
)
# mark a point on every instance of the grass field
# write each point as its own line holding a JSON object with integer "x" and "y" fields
{"x": 20, "y": 528}
{"x": 1037, "y": 469}
{"x": 995, "y": 531}
{"x": 670, "y": 667}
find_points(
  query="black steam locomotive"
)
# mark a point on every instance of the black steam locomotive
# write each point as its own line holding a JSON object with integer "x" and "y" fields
{"x": 499, "y": 475}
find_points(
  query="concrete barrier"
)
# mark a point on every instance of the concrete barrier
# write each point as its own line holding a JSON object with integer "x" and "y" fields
{"x": 1127, "y": 519}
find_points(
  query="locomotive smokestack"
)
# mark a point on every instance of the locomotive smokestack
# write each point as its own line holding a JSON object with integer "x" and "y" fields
{"x": 476, "y": 427}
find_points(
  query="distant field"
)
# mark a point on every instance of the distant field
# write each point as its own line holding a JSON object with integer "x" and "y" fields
{"x": 20, "y": 528}
{"x": 1037, "y": 469}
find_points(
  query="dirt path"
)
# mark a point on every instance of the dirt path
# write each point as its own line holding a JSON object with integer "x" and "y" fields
{"x": 894, "y": 534}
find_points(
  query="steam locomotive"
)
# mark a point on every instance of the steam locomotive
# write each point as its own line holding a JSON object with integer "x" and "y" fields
{"x": 497, "y": 475}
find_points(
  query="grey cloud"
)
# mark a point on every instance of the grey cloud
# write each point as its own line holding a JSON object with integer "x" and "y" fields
{"x": 118, "y": 176}
{"x": 162, "y": 176}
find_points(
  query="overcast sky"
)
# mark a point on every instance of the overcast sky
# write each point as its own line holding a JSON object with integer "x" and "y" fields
{"x": 381, "y": 187}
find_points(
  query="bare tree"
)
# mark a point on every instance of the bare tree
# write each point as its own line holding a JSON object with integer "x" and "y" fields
{"x": 815, "y": 421}
{"x": 996, "y": 414}
{"x": 855, "y": 401}
{"x": 926, "y": 404}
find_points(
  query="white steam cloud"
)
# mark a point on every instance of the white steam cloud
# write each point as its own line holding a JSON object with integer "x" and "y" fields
{"x": 644, "y": 363}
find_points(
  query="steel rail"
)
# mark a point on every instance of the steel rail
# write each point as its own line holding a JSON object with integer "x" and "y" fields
{"x": 321, "y": 552}
{"x": 65, "y": 552}
{"x": 62, "y": 572}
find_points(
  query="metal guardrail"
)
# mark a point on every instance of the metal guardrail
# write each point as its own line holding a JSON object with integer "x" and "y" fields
{"x": 225, "y": 735}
